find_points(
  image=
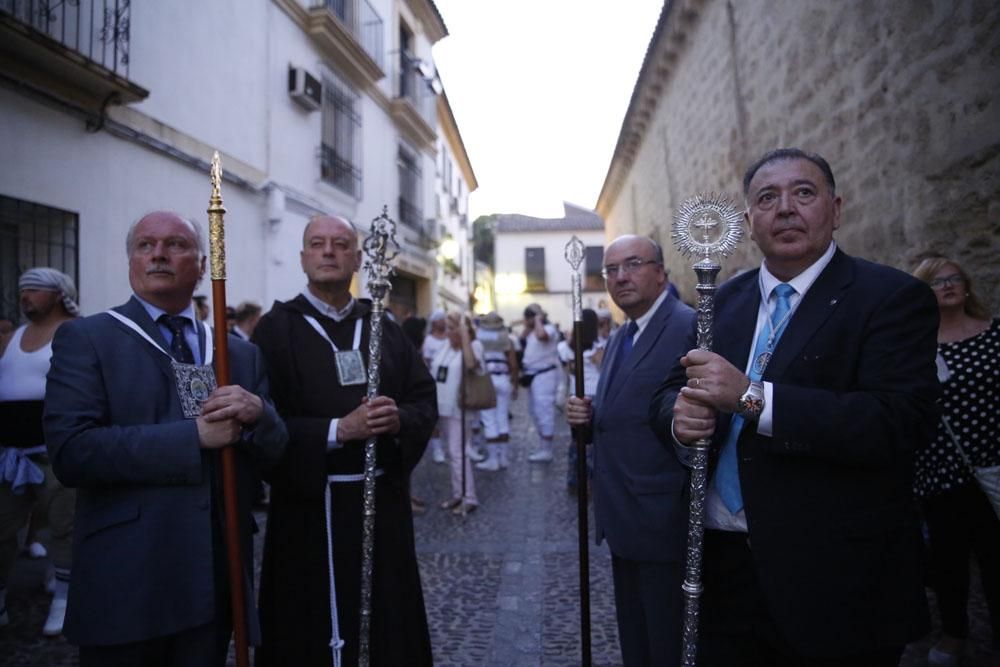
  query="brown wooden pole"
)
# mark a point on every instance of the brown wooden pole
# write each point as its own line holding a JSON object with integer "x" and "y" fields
{"x": 230, "y": 499}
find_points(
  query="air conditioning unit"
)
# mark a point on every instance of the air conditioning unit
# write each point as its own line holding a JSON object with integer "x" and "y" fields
{"x": 305, "y": 88}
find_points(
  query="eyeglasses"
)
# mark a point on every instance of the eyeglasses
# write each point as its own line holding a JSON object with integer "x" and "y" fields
{"x": 625, "y": 268}
{"x": 947, "y": 281}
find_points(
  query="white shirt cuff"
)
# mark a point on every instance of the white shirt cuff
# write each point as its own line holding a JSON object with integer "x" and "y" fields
{"x": 765, "y": 424}
{"x": 331, "y": 436}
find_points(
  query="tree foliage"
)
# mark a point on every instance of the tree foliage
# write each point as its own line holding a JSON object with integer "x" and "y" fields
{"x": 483, "y": 234}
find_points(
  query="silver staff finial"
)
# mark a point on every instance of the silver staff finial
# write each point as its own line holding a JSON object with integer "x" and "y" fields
{"x": 707, "y": 225}
{"x": 574, "y": 252}
{"x": 380, "y": 248}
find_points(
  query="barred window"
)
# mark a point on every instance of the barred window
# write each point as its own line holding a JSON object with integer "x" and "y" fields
{"x": 340, "y": 155}
{"x": 410, "y": 205}
{"x": 33, "y": 235}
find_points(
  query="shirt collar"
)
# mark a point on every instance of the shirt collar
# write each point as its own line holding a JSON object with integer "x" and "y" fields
{"x": 326, "y": 309}
{"x": 801, "y": 282}
{"x": 155, "y": 311}
{"x": 644, "y": 319}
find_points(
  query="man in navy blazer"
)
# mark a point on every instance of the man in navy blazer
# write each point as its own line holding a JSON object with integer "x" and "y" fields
{"x": 149, "y": 582}
{"x": 820, "y": 387}
{"x": 639, "y": 486}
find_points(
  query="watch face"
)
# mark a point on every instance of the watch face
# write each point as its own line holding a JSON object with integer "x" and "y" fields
{"x": 751, "y": 403}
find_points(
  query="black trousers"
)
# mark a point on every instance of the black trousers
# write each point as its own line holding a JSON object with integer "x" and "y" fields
{"x": 203, "y": 646}
{"x": 649, "y": 606}
{"x": 737, "y": 630}
{"x": 961, "y": 523}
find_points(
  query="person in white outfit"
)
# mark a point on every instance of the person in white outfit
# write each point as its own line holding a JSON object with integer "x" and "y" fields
{"x": 28, "y": 488}
{"x": 501, "y": 364}
{"x": 433, "y": 343}
{"x": 462, "y": 352}
{"x": 541, "y": 375}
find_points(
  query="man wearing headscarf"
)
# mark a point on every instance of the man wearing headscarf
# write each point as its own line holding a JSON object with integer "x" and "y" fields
{"x": 27, "y": 485}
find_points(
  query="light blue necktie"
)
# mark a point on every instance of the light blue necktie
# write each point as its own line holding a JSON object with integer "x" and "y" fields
{"x": 625, "y": 350}
{"x": 727, "y": 473}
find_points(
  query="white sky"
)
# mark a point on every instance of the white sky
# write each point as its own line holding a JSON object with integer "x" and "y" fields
{"x": 539, "y": 89}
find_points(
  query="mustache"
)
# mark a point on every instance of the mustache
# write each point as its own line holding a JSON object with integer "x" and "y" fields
{"x": 159, "y": 268}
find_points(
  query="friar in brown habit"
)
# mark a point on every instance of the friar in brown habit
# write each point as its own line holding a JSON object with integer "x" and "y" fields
{"x": 316, "y": 346}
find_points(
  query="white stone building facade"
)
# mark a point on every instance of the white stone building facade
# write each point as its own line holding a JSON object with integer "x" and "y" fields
{"x": 530, "y": 264}
{"x": 93, "y": 137}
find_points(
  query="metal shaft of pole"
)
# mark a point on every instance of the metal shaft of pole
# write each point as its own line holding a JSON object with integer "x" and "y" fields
{"x": 381, "y": 248}
{"x": 368, "y": 493}
{"x": 692, "y": 586}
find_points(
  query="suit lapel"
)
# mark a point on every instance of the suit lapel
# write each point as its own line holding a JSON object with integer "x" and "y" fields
{"x": 650, "y": 335}
{"x": 816, "y": 306}
{"x": 648, "y": 338}
{"x": 610, "y": 356}
{"x": 743, "y": 323}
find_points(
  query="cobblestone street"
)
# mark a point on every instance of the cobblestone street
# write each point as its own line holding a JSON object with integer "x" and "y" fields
{"x": 500, "y": 584}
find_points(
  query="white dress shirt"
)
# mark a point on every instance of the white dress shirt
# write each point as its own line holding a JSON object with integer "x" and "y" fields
{"x": 717, "y": 514}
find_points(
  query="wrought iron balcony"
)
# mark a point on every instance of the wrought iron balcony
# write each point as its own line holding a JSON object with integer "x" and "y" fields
{"x": 352, "y": 32}
{"x": 77, "y": 50}
{"x": 413, "y": 101}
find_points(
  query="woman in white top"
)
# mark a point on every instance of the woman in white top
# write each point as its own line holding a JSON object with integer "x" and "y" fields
{"x": 462, "y": 352}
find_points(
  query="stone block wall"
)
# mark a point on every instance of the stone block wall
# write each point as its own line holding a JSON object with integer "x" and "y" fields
{"x": 902, "y": 98}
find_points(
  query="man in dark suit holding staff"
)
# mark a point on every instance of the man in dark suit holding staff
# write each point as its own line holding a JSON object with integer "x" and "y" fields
{"x": 131, "y": 421}
{"x": 820, "y": 387}
{"x": 639, "y": 486}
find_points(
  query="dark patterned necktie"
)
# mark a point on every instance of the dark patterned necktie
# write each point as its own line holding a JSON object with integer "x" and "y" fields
{"x": 179, "y": 348}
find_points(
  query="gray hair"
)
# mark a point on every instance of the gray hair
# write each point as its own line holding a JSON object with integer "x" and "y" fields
{"x": 325, "y": 216}
{"x": 199, "y": 234}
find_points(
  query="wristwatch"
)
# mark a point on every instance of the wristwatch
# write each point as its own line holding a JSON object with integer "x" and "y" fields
{"x": 751, "y": 403}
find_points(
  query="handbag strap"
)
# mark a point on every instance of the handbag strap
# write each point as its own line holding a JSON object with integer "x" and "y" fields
{"x": 958, "y": 446}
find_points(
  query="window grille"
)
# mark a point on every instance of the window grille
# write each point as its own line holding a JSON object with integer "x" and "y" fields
{"x": 410, "y": 205}
{"x": 340, "y": 154}
{"x": 33, "y": 235}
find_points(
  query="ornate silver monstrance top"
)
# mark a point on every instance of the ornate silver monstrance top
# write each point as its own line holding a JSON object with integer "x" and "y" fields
{"x": 707, "y": 225}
